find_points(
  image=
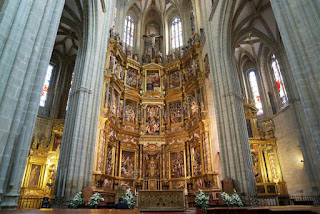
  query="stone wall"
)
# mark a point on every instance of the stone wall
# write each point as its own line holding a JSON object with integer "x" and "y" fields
{"x": 289, "y": 152}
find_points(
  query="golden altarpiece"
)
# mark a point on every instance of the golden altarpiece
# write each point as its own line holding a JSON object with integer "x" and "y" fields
{"x": 40, "y": 171}
{"x": 264, "y": 155}
{"x": 153, "y": 133}
{"x": 154, "y": 125}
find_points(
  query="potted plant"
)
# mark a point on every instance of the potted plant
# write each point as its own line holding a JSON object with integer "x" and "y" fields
{"x": 95, "y": 200}
{"x": 77, "y": 200}
{"x": 129, "y": 199}
{"x": 232, "y": 199}
{"x": 202, "y": 201}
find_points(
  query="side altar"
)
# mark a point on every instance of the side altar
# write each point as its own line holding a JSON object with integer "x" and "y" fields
{"x": 166, "y": 200}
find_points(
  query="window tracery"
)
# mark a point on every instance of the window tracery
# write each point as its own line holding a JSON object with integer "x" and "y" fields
{"x": 279, "y": 80}
{"x": 176, "y": 33}
{"x": 128, "y": 31}
{"x": 44, "y": 94}
{"x": 255, "y": 91}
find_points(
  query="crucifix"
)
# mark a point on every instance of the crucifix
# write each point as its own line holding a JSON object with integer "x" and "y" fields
{"x": 153, "y": 42}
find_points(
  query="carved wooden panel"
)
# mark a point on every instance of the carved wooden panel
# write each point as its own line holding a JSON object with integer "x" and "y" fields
{"x": 161, "y": 200}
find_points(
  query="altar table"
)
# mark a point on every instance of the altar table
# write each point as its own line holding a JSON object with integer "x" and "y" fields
{"x": 165, "y": 200}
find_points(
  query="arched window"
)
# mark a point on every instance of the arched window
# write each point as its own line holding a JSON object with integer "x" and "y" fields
{"x": 278, "y": 78}
{"x": 46, "y": 84}
{"x": 255, "y": 91}
{"x": 176, "y": 33}
{"x": 128, "y": 31}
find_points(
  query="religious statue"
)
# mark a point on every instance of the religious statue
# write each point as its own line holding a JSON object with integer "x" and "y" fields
{"x": 117, "y": 37}
{"x": 159, "y": 57}
{"x": 135, "y": 57}
{"x": 146, "y": 57}
{"x": 121, "y": 73}
{"x": 131, "y": 78}
{"x": 129, "y": 52}
{"x": 113, "y": 107}
{"x": 43, "y": 143}
{"x": 34, "y": 175}
{"x": 109, "y": 163}
{"x": 130, "y": 114}
{"x": 153, "y": 120}
{"x": 177, "y": 165}
{"x": 116, "y": 70}
{"x": 177, "y": 54}
{"x": 35, "y": 142}
{"x": 194, "y": 107}
{"x": 196, "y": 64}
{"x": 152, "y": 165}
{"x": 57, "y": 142}
{"x": 112, "y": 33}
{"x": 170, "y": 57}
{"x": 153, "y": 42}
{"x": 112, "y": 60}
{"x": 199, "y": 183}
{"x": 106, "y": 184}
{"x": 195, "y": 37}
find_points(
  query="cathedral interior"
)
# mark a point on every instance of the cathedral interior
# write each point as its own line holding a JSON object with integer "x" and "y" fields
{"x": 159, "y": 95}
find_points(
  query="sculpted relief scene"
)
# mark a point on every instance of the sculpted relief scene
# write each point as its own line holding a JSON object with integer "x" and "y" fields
{"x": 152, "y": 123}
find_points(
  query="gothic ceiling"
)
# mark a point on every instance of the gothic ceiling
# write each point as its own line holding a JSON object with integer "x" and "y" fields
{"x": 70, "y": 29}
{"x": 253, "y": 25}
{"x": 161, "y": 5}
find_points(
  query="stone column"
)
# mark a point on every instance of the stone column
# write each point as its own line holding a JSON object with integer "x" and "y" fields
{"x": 120, "y": 18}
{"x": 27, "y": 33}
{"x": 62, "y": 88}
{"x": 298, "y": 23}
{"x": 76, "y": 163}
{"x": 231, "y": 125}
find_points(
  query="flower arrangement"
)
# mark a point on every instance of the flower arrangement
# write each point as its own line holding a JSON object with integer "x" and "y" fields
{"x": 232, "y": 199}
{"x": 95, "y": 199}
{"x": 129, "y": 198}
{"x": 77, "y": 200}
{"x": 202, "y": 200}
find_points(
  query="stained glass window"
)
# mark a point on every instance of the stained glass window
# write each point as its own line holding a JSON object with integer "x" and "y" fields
{"x": 45, "y": 88}
{"x": 278, "y": 78}
{"x": 255, "y": 91}
{"x": 176, "y": 33}
{"x": 128, "y": 31}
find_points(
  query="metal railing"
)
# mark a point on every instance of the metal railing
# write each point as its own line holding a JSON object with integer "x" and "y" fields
{"x": 285, "y": 200}
{"x": 30, "y": 202}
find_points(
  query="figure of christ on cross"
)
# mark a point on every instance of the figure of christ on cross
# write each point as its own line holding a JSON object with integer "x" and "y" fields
{"x": 153, "y": 42}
